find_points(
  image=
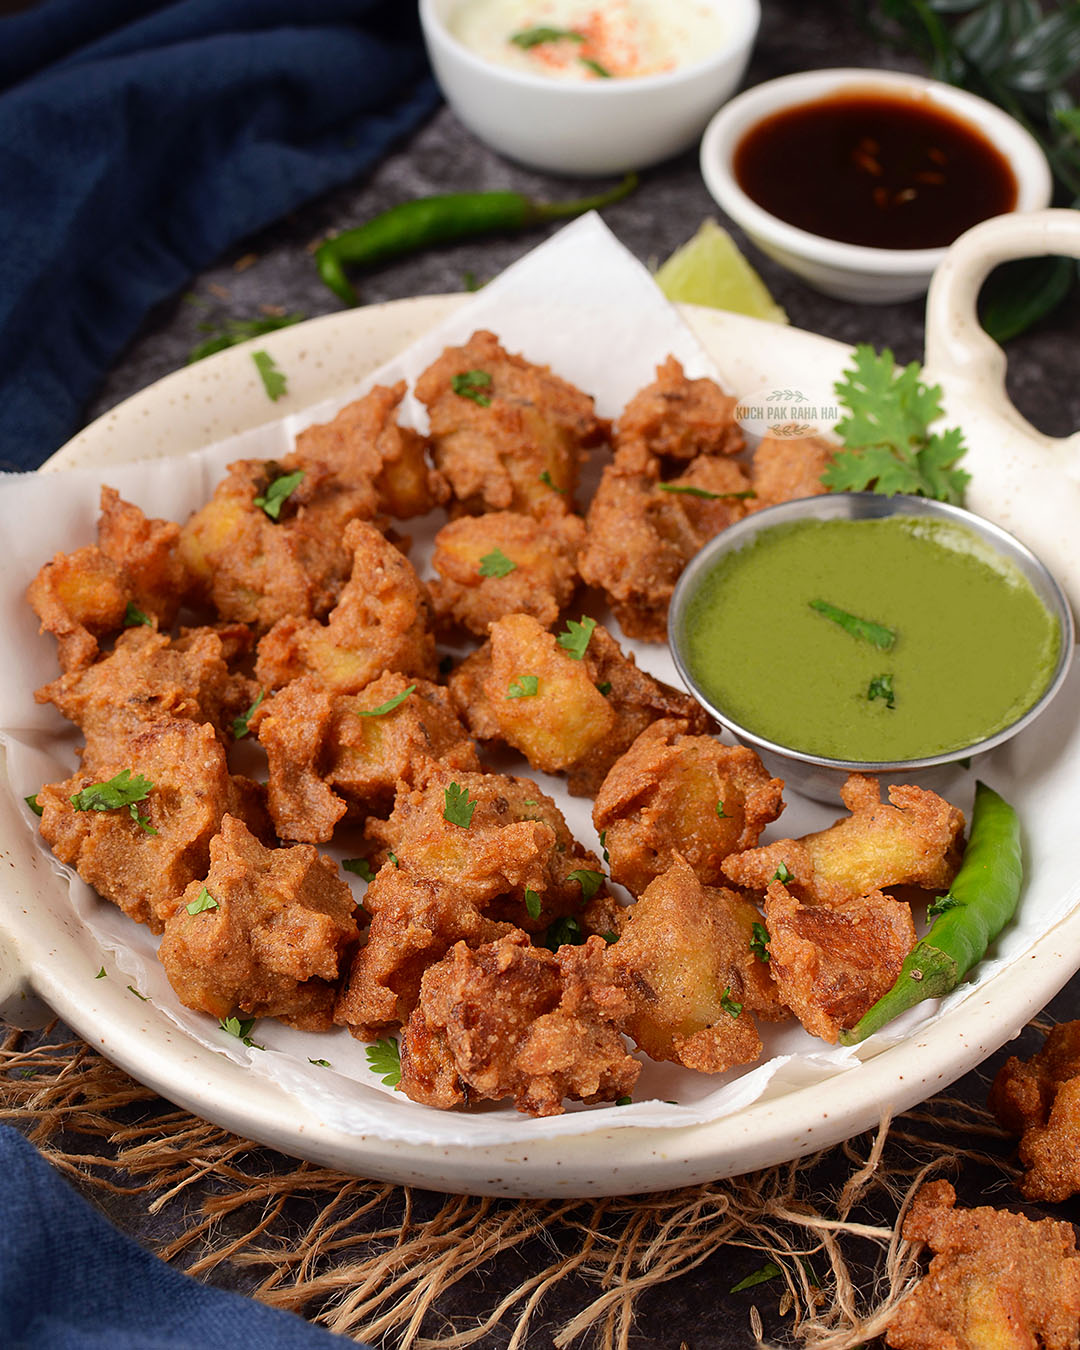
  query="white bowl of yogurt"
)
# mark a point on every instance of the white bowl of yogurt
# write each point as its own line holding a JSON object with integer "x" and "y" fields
{"x": 588, "y": 86}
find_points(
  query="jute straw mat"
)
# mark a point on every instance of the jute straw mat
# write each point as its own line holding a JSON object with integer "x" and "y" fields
{"x": 411, "y": 1270}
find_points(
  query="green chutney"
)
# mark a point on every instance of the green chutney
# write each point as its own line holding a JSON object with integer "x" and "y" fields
{"x": 974, "y": 645}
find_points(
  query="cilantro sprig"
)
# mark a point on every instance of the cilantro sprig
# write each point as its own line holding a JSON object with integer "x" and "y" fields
{"x": 866, "y": 629}
{"x": 888, "y": 444}
{"x": 589, "y": 881}
{"x": 783, "y": 874}
{"x": 881, "y": 686}
{"x": 240, "y": 726}
{"x": 474, "y": 384}
{"x": 359, "y": 867}
{"x": 575, "y": 639}
{"x": 121, "y": 790}
{"x": 384, "y": 1057}
{"x": 496, "y": 564}
{"x": 278, "y": 492}
{"x": 525, "y": 686}
{"x": 274, "y": 380}
{"x": 759, "y": 942}
{"x": 729, "y": 1004}
{"x": 457, "y": 808}
{"x": 133, "y": 615}
{"x": 241, "y": 1030}
{"x": 389, "y": 705}
{"x": 203, "y": 902}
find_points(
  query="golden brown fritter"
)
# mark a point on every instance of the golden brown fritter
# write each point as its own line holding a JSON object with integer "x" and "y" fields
{"x": 80, "y": 597}
{"x": 331, "y": 752}
{"x": 270, "y": 930}
{"x": 364, "y": 443}
{"x": 831, "y": 962}
{"x": 685, "y": 961}
{"x": 680, "y": 418}
{"x": 1039, "y": 1099}
{"x": 585, "y": 711}
{"x": 674, "y": 793}
{"x": 786, "y": 467}
{"x": 640, "y": 533}
{"x": 913, "y": 841}
{"x": 511, "y": 1020}
{"x": 998, "y": 1281}
{"x": 149, "y": 552}
{"x": 145, "y": 677}
{"x": 144, "y": 868}
{"x": 512, "y": 435}
{"x": 380, "y": 623}
{"x": 477, "y": 584}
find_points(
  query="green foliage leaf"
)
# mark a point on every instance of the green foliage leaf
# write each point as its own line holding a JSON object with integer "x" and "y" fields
{"x": 34, "y": 805}
{"x": 473, "y": 384}
{"x": 388, "y": 706}
{"x": 881, "y": 686}
{"x": 525, "y": 686}
{"x": 240, "y": 724}
{"x": 384, "y": 1057}
{"x": 575, "y": 639}
{"x": 274, "y": 381}
{"x": 532, "y": 904}
{"x": 278, "y": 492}
{"x": 496, "y": 564}
{"x": 203, "y": 901}
{"x": 359, "y": 867}
{"x": 590, "y": 882}
{"x": 759, "y": 942}
{"x": 729, "y": 1004}
{"x": 458, "y": 809}
{"x": 564, "y": 932}
{"x": 235, "y": 331}
{"x": 241, "y": 1029}
{"x": 133, "y": 615}
{"x": 768, "y": 1271}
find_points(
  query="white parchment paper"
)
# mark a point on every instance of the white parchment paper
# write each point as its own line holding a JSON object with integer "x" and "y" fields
{"x": 585, "y": 306}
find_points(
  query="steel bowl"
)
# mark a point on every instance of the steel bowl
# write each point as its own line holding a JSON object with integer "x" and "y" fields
{"x": 817, "y": 776}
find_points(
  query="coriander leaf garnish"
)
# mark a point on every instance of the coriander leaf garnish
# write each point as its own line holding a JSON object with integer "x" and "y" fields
{"x": 576, "y": 637}
{"x": 532, "y": 37}
{"x": 322, "y": 1063}
{"x": 384, "y": 1057}
{"x": 278, "y": 492}
{"x": 274, "y": 381}
{"x": 721, "y": 812}
{"x": 689, "y": 490}
{"x": 759, "y": 943}
{"x": 120, "y": 791}
{"x": 525, "y": 686}
{"x": 359, "y": 867}
{"x": 240, "y": 724}
{"x": 881, "y": 686}
{"x": 241, "y": 1030}
{"x": 393, "y": 857}
{"x": 472, "y": 384}
{"x": 389, "y": 705}
{"x": 133, "y": 990}
{"x": 34, "y": 805}
{"x": 532, "y": 904}
{"x": 604, "y": 687}
{"x": 623, "y": 1101}
{"x": 133, "y": 615}
{"x": 496, "y": 564}
{"x": 610, "y": 937}
{"x": 942, "y": 905}
{"x": 203, "y": 901}
{"x": 768, "y": 1271}
{"x": 590, "y": 882}
{"x": 866, "y": 629}
{"x": 548, "y": 481}
{"x": 102, "y": 974}
{"x": 595, "y": 67}
{"x": 564, "y": 932}
{"x": 238, "y": 330}
{"x": 888, "y": 444}
{"x": 603, "y": 847}
{"x": 729, "y": 1005}
{"x": 782, "y": 874}
{"x": 458, "y": 809}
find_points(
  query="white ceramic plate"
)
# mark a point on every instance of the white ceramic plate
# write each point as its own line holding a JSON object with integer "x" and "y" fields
{"x": 44, "y": 953}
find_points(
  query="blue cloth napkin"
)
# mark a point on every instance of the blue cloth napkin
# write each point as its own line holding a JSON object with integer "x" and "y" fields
{"x": 70, "y": 1281}
{"x": 140, "y": 138}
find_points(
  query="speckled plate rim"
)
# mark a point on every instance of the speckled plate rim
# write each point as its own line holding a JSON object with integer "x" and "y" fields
{"x": 43, "y": 960}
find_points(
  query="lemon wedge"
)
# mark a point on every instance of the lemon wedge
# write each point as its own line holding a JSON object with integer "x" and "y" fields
{"x": 710, "y": 270}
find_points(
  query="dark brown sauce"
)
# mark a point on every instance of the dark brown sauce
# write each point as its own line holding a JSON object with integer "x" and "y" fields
{"x": 876, "y": 169}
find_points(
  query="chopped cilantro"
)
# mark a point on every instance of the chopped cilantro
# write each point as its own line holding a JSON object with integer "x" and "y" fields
{"x": 34, "y": 805}
{"x": 721, "y": 812}
{"x": 274, "y": 381}
{"x": 564, "y": 932}
{"x": 236, "y": 330}
{"x": 782, "y": 874}
{"x": 548, "y": 481}
{"x": 610, "y": 937}
{"x": 532, "y": 903}
{"x": 759, "y": 942}
{"x": 623, "y": 1101}
{"x": 359, "y": 867}
{"x": 532, "y": 37}
{"x": 393, "y": 857}
{"x": 881, "y": 686}
{"x": 120, "y": 791}
{"x": 595, "y": 67}
{"x": 241, "y": 1030}
{"x": 866, "y": 629}
{"x": 472, "y": 384}
{"x": 603, "y": 847}
{"x": 384, "y": 1057}
{"x": 689, "y": 490}
{"x": 942, "y": 905}
{"x": 133, "y": 990}
{"x": 525, "y": 686}
{"x": 576, "y": 637}
{"x": 729, "y": 1005}
{"x": 768, "y": 1271}
{"x": 888, "y": 446}
{"x": 101, "y": 975}
{"x": 389, "y": 705}
{"x": 604, "y": 687}
{"x": 496, "y": 564}
{"x": 322, "y": 1063}
{"x": 240, "y": 726}
{"x": 133, "y": 615}
{"x": 203, "y": 901}
{"x": 458, "y": 809}
{"x": 278, "y": 491}
{"x": 590, "y": 882}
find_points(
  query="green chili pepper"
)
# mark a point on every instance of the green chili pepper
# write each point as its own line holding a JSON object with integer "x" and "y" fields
{"x": 435, "y": 220}
{"x": 982, "y": 900}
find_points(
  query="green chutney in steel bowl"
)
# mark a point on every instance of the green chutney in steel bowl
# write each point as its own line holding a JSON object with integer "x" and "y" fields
{"x": 898, "y": 638}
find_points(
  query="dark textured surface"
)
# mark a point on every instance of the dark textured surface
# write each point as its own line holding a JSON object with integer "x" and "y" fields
{"x": 696, "y": 1309}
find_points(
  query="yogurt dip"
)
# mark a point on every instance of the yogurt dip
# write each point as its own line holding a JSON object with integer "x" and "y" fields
{"x": 582, "y": 41}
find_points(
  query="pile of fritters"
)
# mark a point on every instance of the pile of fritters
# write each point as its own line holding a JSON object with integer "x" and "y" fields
{"x": 487, "y": 939}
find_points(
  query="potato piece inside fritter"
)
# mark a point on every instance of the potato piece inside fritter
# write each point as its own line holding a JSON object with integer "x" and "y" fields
{"x": 148, "y": 551}
{"x": 80, "y": 597}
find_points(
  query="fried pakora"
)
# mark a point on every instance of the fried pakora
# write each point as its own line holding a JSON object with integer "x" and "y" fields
{"x": 675, "y": 793}
{"x": 679, "y": 418}
{"x": 149, "y": 552}
{"x": 266, "y": 931}
{"x": 505, "y": 563}
{"x": 1039, "y": 1099}
{"x": 329, "y": 752}
{"x": 912, "y": 841}
{"x": 684, "y": 958}
{"x": 566, "y": 712}
{"x": 508, "y": 435}
{"x": 786, "y": 467}
{"x": 510, "y": 1020}
{"x": 80, "y": 597}
{"x": 997, "y": 1279}
{"x": 831, "y": 962}
{"x": 380, "y": 623}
